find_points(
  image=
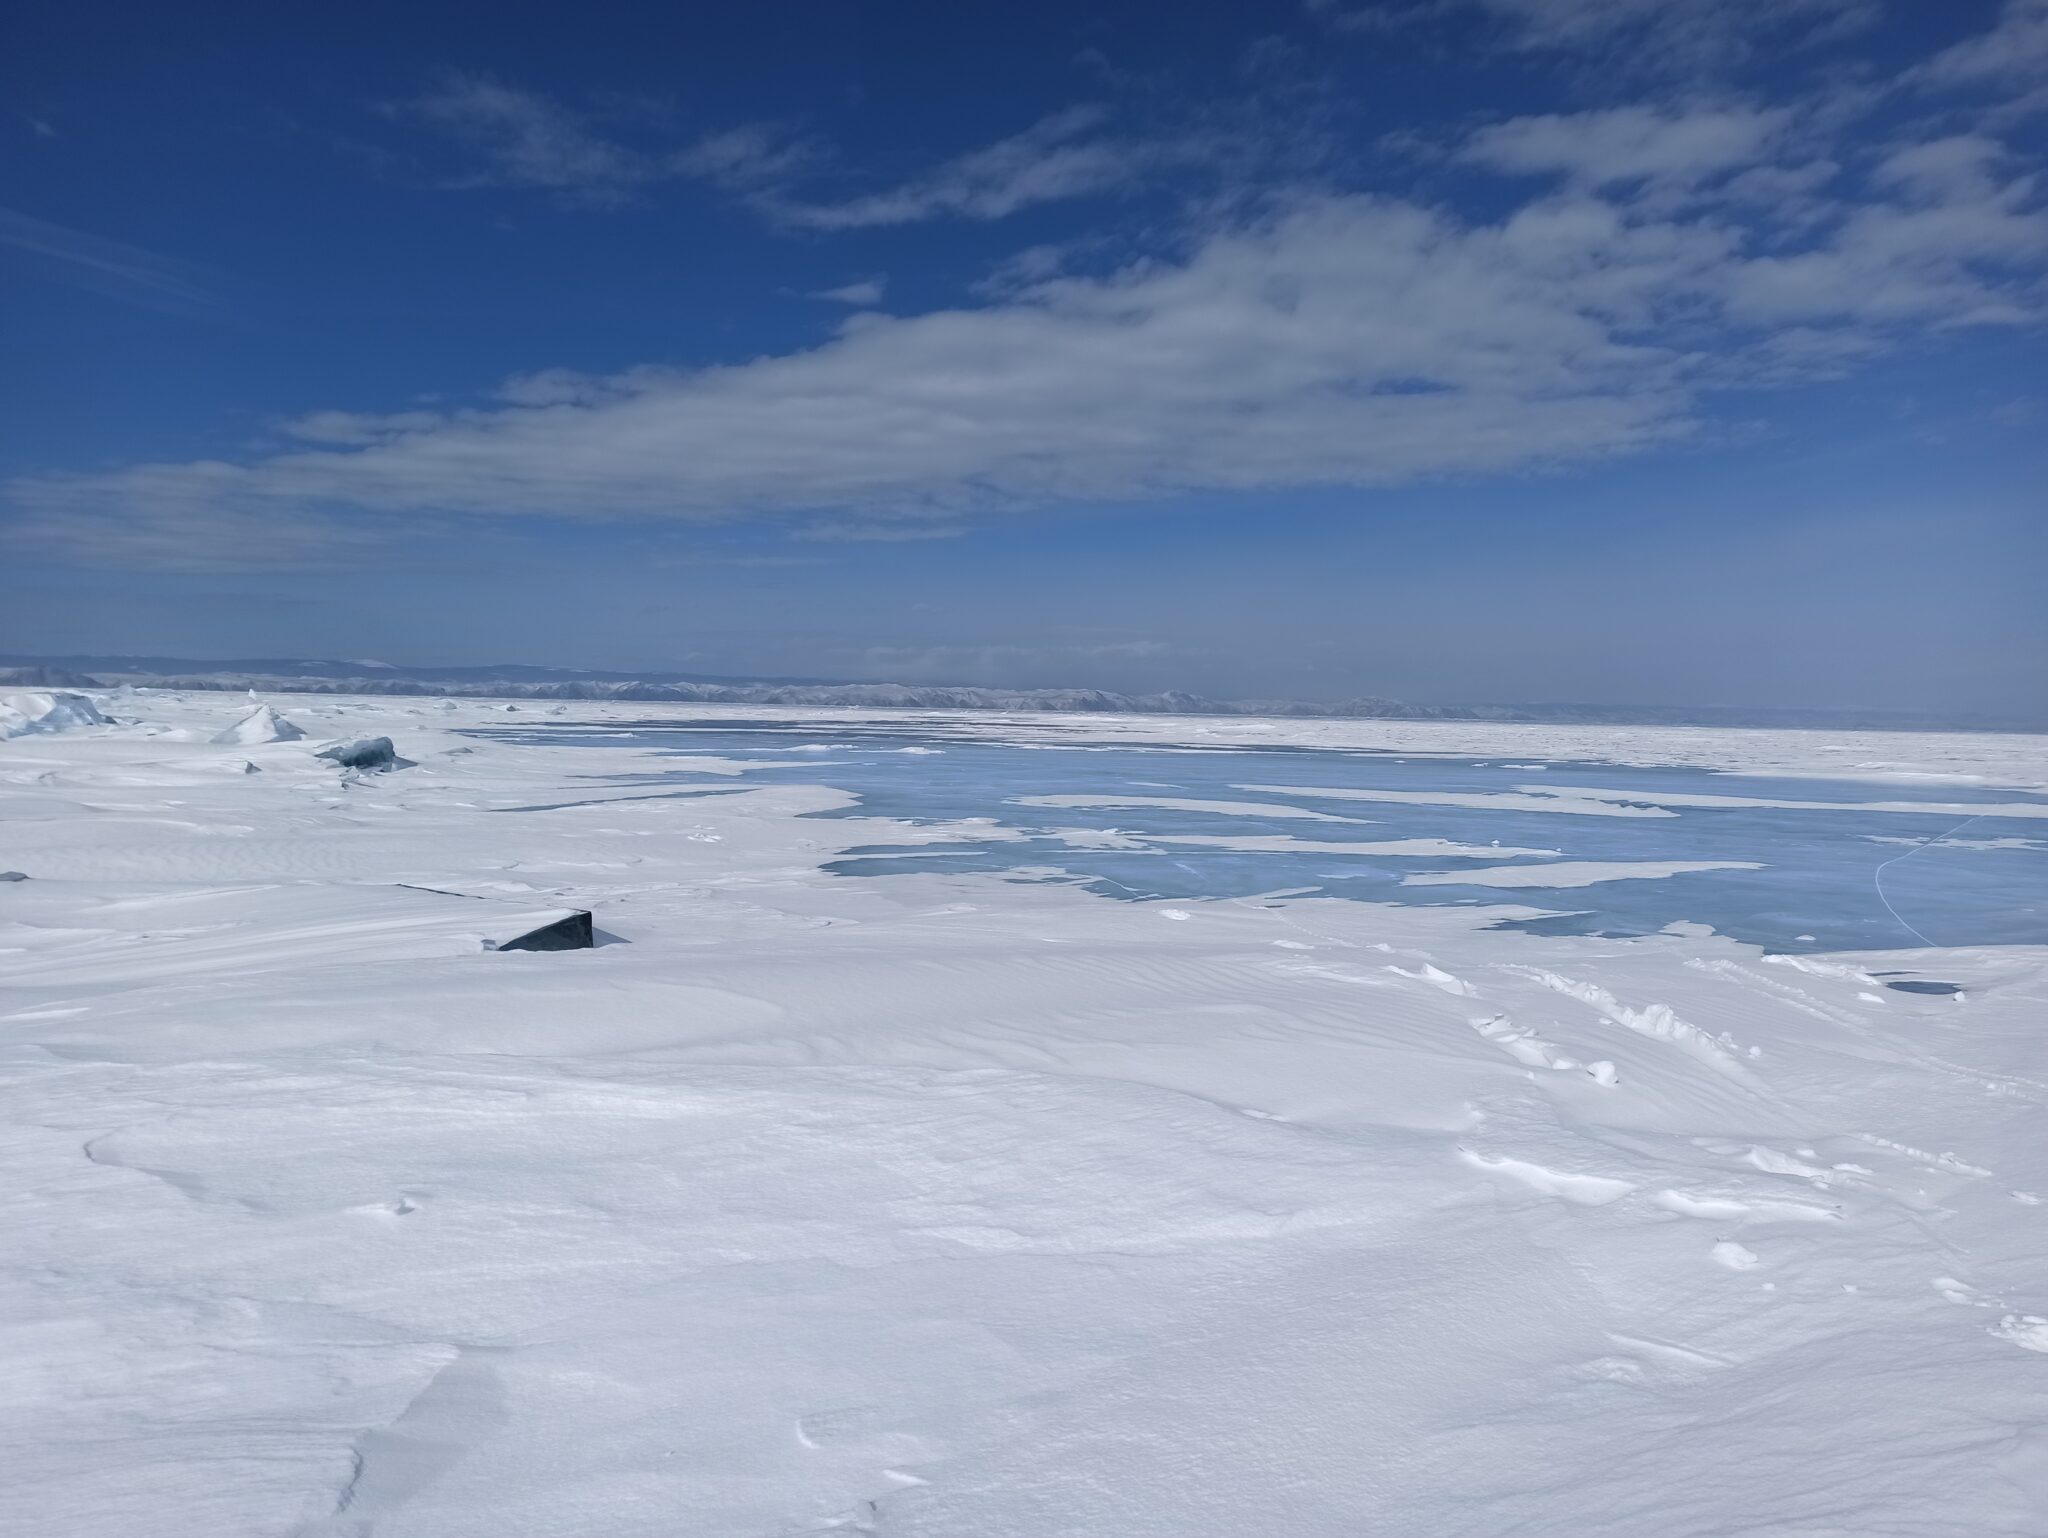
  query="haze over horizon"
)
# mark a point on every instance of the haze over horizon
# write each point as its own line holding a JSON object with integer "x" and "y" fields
{"x": 1446, "y": 350}
{"x": 545, "y": 681}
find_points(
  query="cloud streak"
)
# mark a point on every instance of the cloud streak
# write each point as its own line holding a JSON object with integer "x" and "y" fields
{"x": 1631, "y": 144}
{"x": 2014, "y": 51}
{"x": 1057, "y": 158}
{"x": 513, "y": 137}
{"x": 1639, "y": 36}
{"x": 127, "y": 273}
{"x": 520, "y": 138}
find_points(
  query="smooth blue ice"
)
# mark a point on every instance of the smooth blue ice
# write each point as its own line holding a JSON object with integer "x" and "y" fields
{"x": 1816, "y": 890}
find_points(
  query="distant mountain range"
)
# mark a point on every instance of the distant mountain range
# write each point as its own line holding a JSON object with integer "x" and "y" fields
{"x": 521, "y": 681}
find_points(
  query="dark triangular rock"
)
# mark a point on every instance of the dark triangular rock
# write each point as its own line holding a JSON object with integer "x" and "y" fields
{"x": 565, "y": 934}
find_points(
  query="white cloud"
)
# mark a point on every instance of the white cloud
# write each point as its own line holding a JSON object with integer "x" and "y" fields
{"x": 1624, "y": 144}
{"x": 2015, "y": 51}
{"x": 863, "y": 293}
{"x": 1053, "y": 159}
{"x": 1348, "y": 341}
{"x": 1927, "y": 254}
{"x": 1337, "y": 340}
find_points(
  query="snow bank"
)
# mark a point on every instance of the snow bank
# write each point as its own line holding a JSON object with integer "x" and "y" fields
{"x": 260, "y": 725}
{"x": 21, "y": 714}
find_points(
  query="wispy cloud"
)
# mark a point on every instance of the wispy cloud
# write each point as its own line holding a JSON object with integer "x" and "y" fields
{"x": 509, "y": 136}
{"x": 748, "y": 158}
{"x": 1633, "y": 36}
{"x": 1632, "y": 144}
{"x": 513, "y": 137}
{"x": 1056, "y": 158}
{"x": 2015, "y": 51}
{"x": 863, "y": 292}
{"x": 127, "y": 273}
{"x": 521, "y": 139}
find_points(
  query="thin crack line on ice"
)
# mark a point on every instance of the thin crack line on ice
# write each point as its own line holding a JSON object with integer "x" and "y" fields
{"x": 1877, "y": 876}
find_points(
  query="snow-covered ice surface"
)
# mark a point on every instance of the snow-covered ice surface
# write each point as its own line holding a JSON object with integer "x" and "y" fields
{"x": 835, "y": 1193}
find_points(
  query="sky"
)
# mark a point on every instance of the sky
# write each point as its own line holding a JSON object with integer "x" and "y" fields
{"x": 1615, "y": 351}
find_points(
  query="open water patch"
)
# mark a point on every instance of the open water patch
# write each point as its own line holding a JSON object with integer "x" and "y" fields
{"x": 1584, "y": 847}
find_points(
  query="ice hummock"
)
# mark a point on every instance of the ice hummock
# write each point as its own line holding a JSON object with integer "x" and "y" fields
{"x": 374, "y": 754}
{"x": 259, "y": 726}
{"x": 21, "y": 714}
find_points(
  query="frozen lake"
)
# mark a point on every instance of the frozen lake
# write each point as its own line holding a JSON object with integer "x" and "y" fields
{"x": 1791, "y": 864}
{"x": 828, "y": 1198}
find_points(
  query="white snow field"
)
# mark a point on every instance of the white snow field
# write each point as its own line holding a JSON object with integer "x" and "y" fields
{"x": 954, "y": 1206}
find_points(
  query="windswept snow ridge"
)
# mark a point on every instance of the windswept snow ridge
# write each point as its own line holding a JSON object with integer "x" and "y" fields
{"x": 951, "y": 1205}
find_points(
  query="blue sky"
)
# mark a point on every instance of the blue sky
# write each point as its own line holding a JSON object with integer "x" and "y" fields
{"x": 1599, "y": 350}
